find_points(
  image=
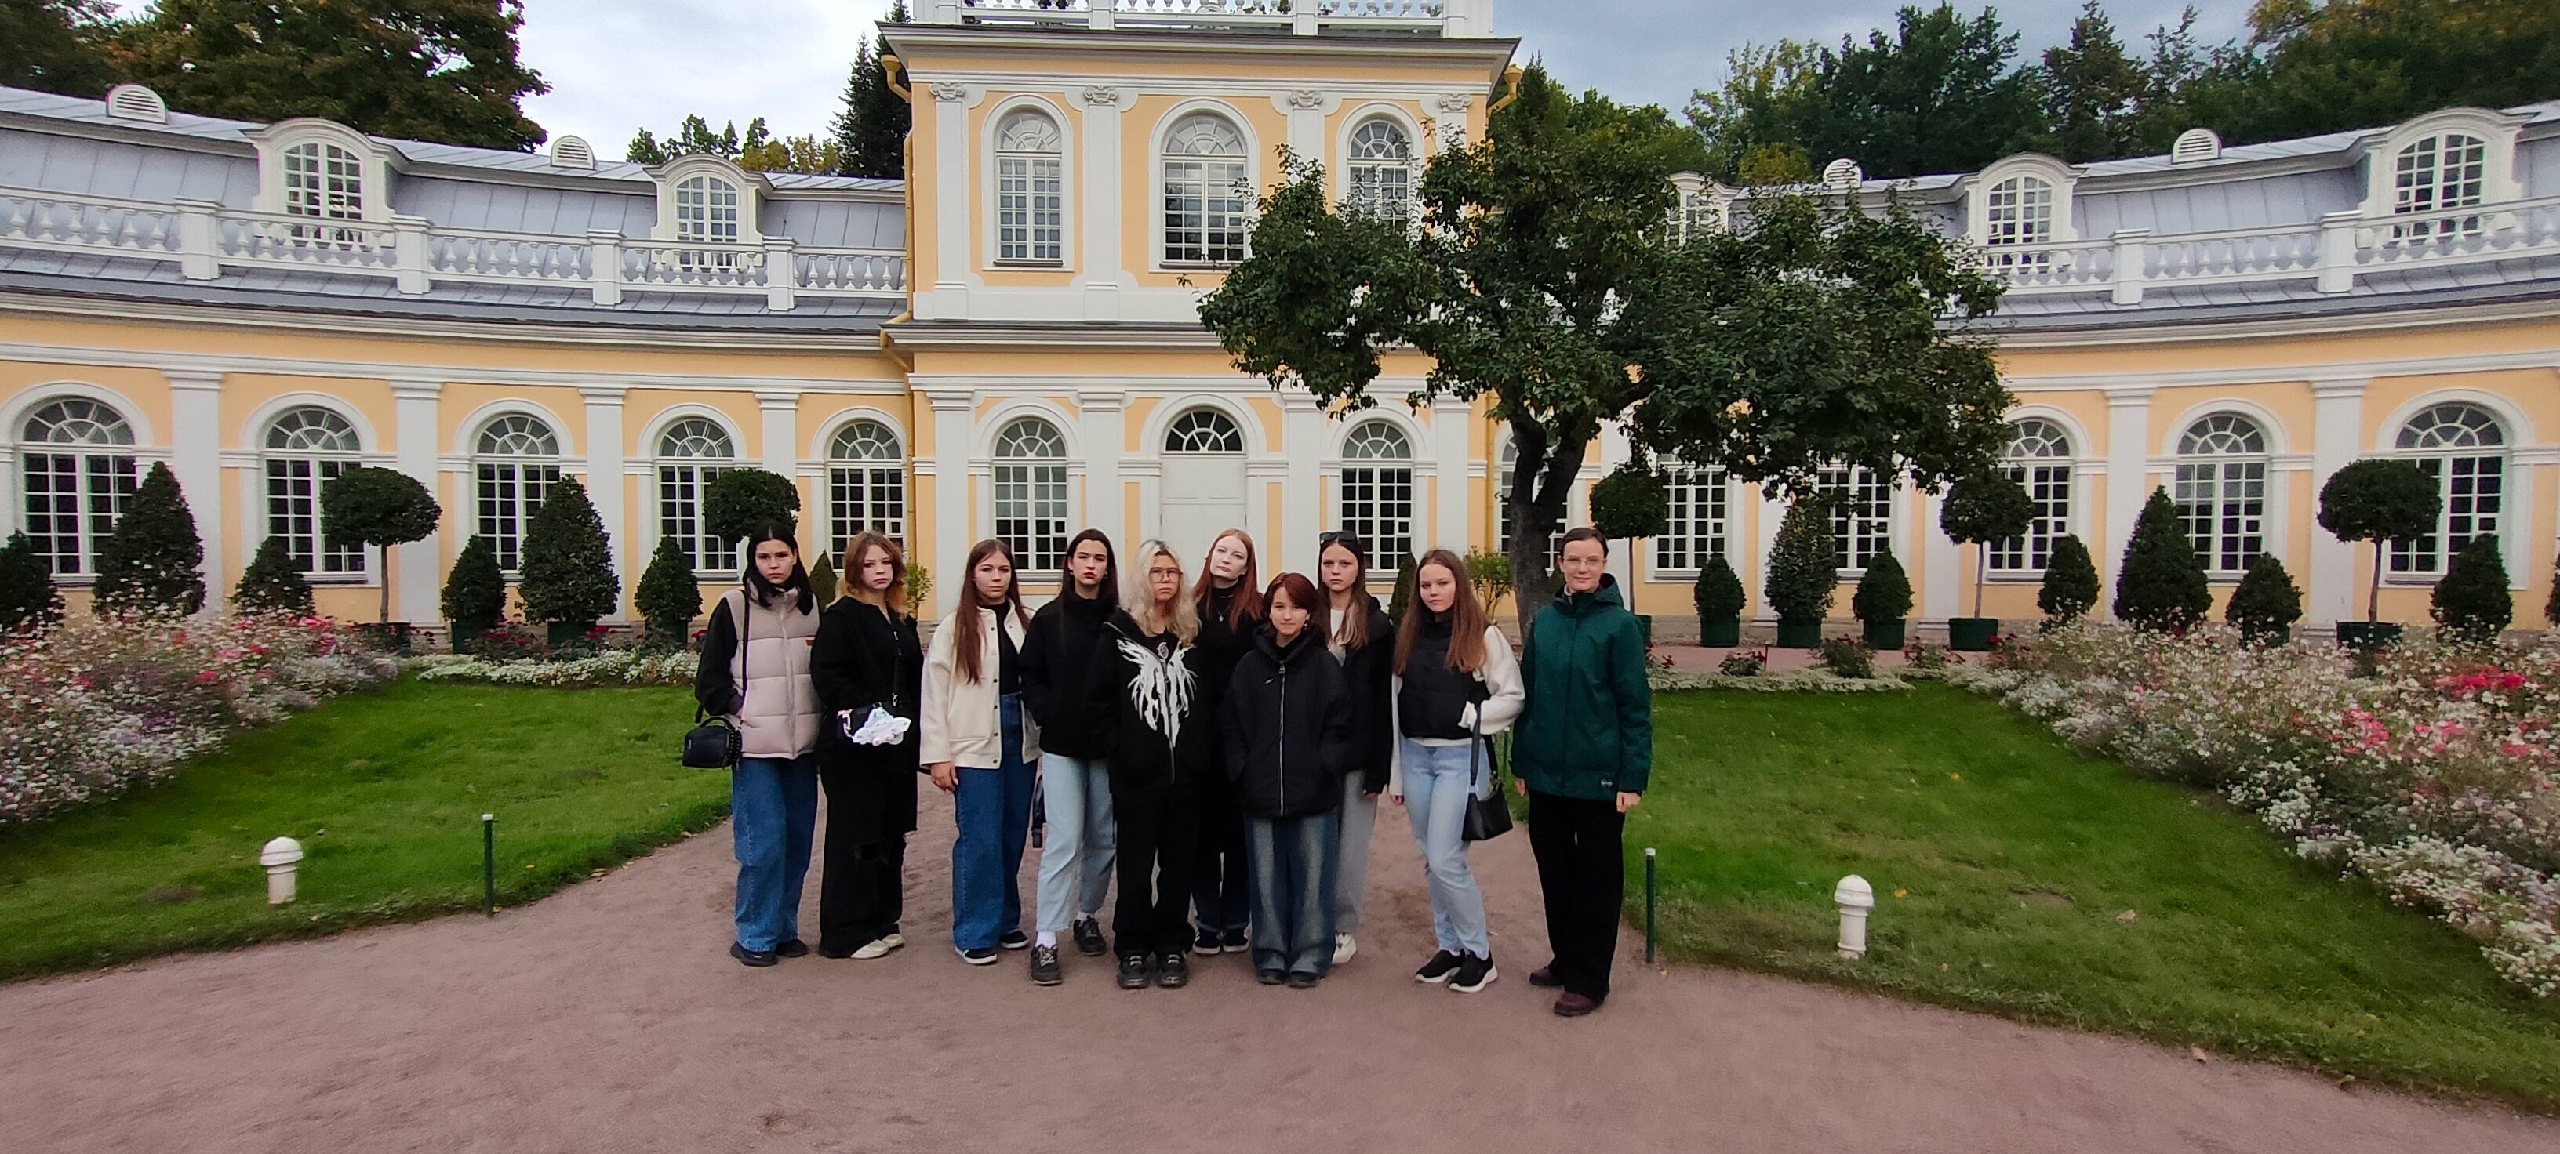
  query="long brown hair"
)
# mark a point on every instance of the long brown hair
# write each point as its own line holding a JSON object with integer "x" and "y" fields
{"x": 1355, "y": 624}
{"x": 1466, "y": 617}
{"x": 969, "y": 630}
{"x": 1248, "y": 603}
{"x": 1139, "y": 601}
{"x": 893, "y": 599}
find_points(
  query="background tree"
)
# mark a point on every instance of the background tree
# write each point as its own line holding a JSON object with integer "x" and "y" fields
{"x": 1938, "y": 96}
{"x": 2161, "y": 584}
{"x": 2266, "y": 603}
{"x": 1718, "y": 594}
{"x": 668, "y": 598}
{"x": 741, "y": 501}
{"x": 273, "y": 583}
{"x": 822, "y": 580}
{"x": 1804, "y": 573}
{"x": 153, "y": 562}
{"x": 1490, "y": 573}
{"x": 1988, "y": 506}
{"x": 2070, "y": 587}
{"x": 28, "y": 599}
{"x": 2379, "y": 500}
{"x": 566, "y": 573}
{"x": 693, "y": 137}
{"x": 2471, "y": 601}
{"x": 56, "y": 45}
{"x": 1632, "y": 502}
{"x": 379, "y": 507}
{"x": 871, "y": 132}
{"x": 475, "y": 593}
{"x": 2311, "y": 66}
{"x": 2091, "y": 93}
{"x": 441, "y": 70}
{"x": 793, "y": 154}
{"x": 1400, "y": 601}
{"x": 1884, "y": 591}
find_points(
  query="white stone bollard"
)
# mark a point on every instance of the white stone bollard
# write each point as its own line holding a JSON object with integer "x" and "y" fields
{"x": 1854, "y": 897}
{"x": 279, "y": 857}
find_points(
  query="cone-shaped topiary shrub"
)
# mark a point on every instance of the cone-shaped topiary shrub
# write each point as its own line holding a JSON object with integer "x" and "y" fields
{"x": 28, "y": 599}
{"x": 2471, "y": 600}
{"x": 822, "y": 581}
{"x": 475, "y": 593}
{"x": 273, "y": 583}
{"x": 1402, "y": 599}
{"x": 1884, "y": 593}
{"x": 153, "y": 562}
{"x": 2266, "y": 603}
{"x": 1803, "y": 571}
{"x": 567, "y": 576}
{"x": 1718, "y": 593}
{"x": 2070, "y": 586}
{"x": 669, "y": 598}
{"x": 2161, "y": 583}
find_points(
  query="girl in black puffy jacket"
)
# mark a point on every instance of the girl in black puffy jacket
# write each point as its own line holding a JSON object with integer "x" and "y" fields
{"x": 1288, "y": 737}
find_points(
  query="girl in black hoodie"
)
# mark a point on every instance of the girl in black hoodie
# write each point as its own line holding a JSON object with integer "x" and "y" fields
{"x": 866, "y": 655}
{"x": 1228, "y": 602}
{"x": 1060, "y": 686}
{"x": 1287, "y": 732}
{"x": 1359, "y": 635}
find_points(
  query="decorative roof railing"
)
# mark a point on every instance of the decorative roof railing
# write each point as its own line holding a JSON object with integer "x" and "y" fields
{"x": 207, "y": 241}
{"x": 1449, "y": 18}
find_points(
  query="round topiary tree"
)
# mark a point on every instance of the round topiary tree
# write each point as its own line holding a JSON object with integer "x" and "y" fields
{"x": 741, "y": 501}
{"x": 1981, "y": 509}
{"x": 273, "y": 583}
{"x": 1882, "y": 601}
{"x": 2265, "y": 604}
{"x": 28, "y": 599}
{"x": 2161, "y": 584}
{"x": 153, "y": 562}
{"x": 1804, "y": 572}
{"x": 567, "y": 576}
{"x": 669, "y": 598}
{"x": 2379, "y": 500}
{"x": 475, "y": 593}
{"x": 2070, "y": 586}
{"x": 1632, "y": 502}
{"x": 2472, "y": 601}
{"x": 1720, "y": 600}
{"x": 381, "y": 508}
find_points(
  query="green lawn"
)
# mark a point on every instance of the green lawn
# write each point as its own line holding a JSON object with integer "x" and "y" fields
{"x": 385, "y": 792}
{"x": 2004, "y": 866}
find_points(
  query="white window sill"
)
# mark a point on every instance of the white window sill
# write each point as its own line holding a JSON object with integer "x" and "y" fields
{"x": 1030, "y": 266}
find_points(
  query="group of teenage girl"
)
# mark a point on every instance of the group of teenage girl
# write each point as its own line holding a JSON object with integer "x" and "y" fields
{"x": 1216, "y": 745}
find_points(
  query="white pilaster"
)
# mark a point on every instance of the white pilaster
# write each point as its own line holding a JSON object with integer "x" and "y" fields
{"x": 1754, "y": 568}
{"x": 952, "y": 222}
{"x": 1941, "y": 563}
{"x": 1302, "y": 445}
{"x": 413, "y": 449}
{"x": 605, "y": 482}
{"x": 1306, "y": 109}
{"x": 951, "y": 528}
{"x": 1452, "y": 420}
{"x": 1102, "y": 199}
{"x": 1104, "y": 505}
{"x": 195, "y": 457}
{"x": 2128, "y": 475}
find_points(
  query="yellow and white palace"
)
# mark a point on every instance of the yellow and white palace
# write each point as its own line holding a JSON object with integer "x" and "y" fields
{"x": 1005, "y": 344}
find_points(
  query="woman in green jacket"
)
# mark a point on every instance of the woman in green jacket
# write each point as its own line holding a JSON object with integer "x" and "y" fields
{"x": 1583, "y": 750}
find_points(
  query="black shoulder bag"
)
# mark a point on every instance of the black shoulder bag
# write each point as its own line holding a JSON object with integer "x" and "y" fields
{"x": 1488, "y": 815}
{"x": 714, "y": 743}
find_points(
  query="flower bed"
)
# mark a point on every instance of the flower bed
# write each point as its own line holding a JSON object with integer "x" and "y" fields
{"x": 602, "y": 668}
{"x": 101, "y": 705}
{"x": 2435, "y": 772}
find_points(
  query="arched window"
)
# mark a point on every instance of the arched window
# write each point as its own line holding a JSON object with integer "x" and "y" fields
{"x": 1382, "y": 169}
{"x": 1695, "y": 531}
{"x": 306, "y": 448}
{"x": 1205, "y": 197}
{"x": 2465, "y": 449}
{"x": 1861, "y": 516}
{"x": 2222, "y": 490}
{"x": 1377, "y": 491}
{"x": 707, "y": 210}
{"x": 866, "y": 485}
{"x": 1029, "y": 195}
{"x": 514, "y": 462}
{"x": 2039, "y": 458}
{"x": 1508, "y": 470}
{"x": 323, "y": 180}
{"x": 1203, "y": 431}
{"x": 78, "y": 464}
{"x": 2434, "y": 173}
{"x": 692, "y": 453}
{"x": 2019, "y": 211}
{"x": 1031, "y": 494}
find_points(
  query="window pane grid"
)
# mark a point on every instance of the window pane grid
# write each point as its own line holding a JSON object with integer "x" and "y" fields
{"x": 1697, "y": 524}
{"x": 2473, "y": 489}
{"x": 1029, "y": 209}
{"x": 1861, "y": 516}
{"x": 293, "y": 513}
{"x": 866, "y": 500}
{"x": 2019, "y": 211}
{"x": 2223, "y": 506}
{"x": 2437, "y": 173}
{"x": 72, "y": 502}
{"x": 1031, "y": 514}
{"x": 1377, "y": 504}
{"x": 680, "y": 489}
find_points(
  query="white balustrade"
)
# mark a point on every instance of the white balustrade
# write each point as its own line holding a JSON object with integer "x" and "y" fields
{"x": 1303, "y": 17}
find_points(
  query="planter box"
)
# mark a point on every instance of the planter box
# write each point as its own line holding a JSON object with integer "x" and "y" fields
{"x": 568, "y": 632}
{"x": 466, "y": 636}
{"x": 1972, "y": 634}
{"x": 1799, "y": 634}
{"x": 1725, "y": 634}
{"x": 1885, "y": 635}
{"x": 1644, "y": 625}
{"x": 392, "y": 636}
{"x": 2368, "y": 635}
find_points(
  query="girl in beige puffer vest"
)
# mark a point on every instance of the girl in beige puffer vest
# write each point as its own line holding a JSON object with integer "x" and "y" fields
{"x": 755, "y": 671}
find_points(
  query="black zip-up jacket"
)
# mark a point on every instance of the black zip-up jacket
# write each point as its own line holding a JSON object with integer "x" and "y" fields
{"x": 1369, "y": 673}
{"x": 1435, "y": 697}
{"x": 1215, "y": 654}
{"x": 1064, "y": 676}
{"x": 863, "y": 658}
{"x": 1287, "y": 728}
{"x": 1159, "y": 729}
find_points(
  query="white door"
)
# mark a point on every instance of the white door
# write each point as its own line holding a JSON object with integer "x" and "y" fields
{"x": 1203, "y": 490}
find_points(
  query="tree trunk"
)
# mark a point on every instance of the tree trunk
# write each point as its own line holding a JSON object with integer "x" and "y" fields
{"x": 1543, "y": 472}
{"x": 1979, "y": 552}
{"x": 2373, "y": 597}
{"x": 382, "y": 577}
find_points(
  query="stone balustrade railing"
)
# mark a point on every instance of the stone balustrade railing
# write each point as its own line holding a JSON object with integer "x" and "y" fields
{"x": 1299, "y": 17}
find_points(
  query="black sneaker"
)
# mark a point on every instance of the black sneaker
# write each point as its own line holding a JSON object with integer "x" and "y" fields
{"x": 747, "y": 957}
{"x": 1014, "y": 940}
{"x": 1474, "y": 973}
{"x": 1206, "y": 943}
{"x": 792, "y": 948}
{"x": 1044, "y": 966}
{"x": 1133, "y": 972}
{"x": 1089, "y": 937}
{"x": 1438, "y": 969}
{"x": 1232, "y": 942}
{"x": 1173, "y": 971}
{"x": 981, "y": 956}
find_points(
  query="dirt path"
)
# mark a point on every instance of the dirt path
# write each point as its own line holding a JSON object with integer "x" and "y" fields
{"x": 609, "y": 1019}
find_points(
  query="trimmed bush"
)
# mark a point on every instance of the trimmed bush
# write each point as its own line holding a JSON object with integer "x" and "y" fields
{"x": 28, "y": 599}
{"x": 741, "y": 501}
{"x": 1490, "y": 573}
{"x": 1402, "y": 599}
{"x": 822, "y": 581}
{"x": 273, "y": 583}
{"x": 1983, "y": 508}
{"x": 475, "y": 593}
{"x": 2472, "y": 601}
{"x": 567, "y": 576}
{"x": 153, "y": 563}
{"x": 2266, "y": 603}
{"x": 1848, "y": 657}
{"x": 2551, "y": 608}
{"x": 1718, "y": 593}
{"x": 2379, "y": 500}
{"x": 380, "y": 508}
{"x": 2161, "y": 584}
{"x": 669, "y": 598}
{"x": 1803, "y": 574}
{"x": 1884, "y": 593}
{"x": 1633, "y": 501}
{"x": 2070, "y": 587}
{"x": 919, "y": 586}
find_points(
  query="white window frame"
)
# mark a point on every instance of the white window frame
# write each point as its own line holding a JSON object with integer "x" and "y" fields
{"x": 1032, "y": 490}
{"x": 2498, "y": 134}
{"x": 994, "y": 157}
{"x": 2458, "y": 471}
{"x": 1160, "y": 159}
{"x": 104, "y": 467}
{"x": 1377, "y": 491}
{"x": 508, "y": 484}
{"x": 296, "y": 515}
{"x": 2046, "y": 470}
{"x": 1700, "y": 207}
{"x": 671, "y": 179}
{"x": 1861, "y": 525}
{"x": 1358, "y": 170}
{"x": 680, "y": 481}
{"x": 2008, "y": 178}
{"x": 277, "y": 141}
{"x": 2211, "y": 481}
{"x": 1700, "y": 525}
{"x": 865, "y": 492}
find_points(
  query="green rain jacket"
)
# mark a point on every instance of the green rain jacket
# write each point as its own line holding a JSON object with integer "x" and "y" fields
{"x": 1588, "y": 728}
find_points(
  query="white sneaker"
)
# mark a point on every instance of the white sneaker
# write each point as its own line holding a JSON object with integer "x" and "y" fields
{"x": 879, "y": 947}
{"x": 1345, "y": 948}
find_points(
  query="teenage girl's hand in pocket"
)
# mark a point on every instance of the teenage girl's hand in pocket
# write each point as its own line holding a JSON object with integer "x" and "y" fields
{"x": 946, "y": 777}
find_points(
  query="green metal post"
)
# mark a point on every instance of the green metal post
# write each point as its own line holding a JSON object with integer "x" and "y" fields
{"x": 489, "y": 864}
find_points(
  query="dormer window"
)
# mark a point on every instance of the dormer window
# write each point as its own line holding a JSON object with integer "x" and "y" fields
{"x": 707, "y": 210}
{"x": 323, "y": 180}
{"x": 2425, "y": 173}
{"x": 2435, "y": 173}
{"x": 317, "y": 170}
{"x": 2020, "y": 206}
{"x": 706, "y": 202}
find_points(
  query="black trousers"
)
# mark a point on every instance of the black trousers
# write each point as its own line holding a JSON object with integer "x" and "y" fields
{"x": 862, "y": 894}
{"x": 1221, "y": 888}
{"x": 1159, "y": 826}
{"x": 1582, "y": 870}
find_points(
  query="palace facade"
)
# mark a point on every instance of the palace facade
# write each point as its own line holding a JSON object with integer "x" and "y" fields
{"x": 1006, "y": 343}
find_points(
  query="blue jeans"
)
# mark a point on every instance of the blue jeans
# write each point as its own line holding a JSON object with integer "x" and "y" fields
{"x": 773, "y": 806}
{"x": 1075, "y": 861}
{"x": 1435, "y": 798}
{"x": 1292, "y": 860}
{"x": 992, "y": 807}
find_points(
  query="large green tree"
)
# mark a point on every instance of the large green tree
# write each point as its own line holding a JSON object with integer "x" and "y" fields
{"x": 871, "y": 132}
{"x": 441, "y": 70}
{"x": 2092, "y": 93}
{"x": 2311, "y": 67}
{"x": 1939, "y": 95}
{"x": 1542, "y": 279}
{"x": 56, "y": 45}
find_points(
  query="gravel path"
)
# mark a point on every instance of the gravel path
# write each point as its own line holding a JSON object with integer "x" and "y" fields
{"x": 609, "y": 1019}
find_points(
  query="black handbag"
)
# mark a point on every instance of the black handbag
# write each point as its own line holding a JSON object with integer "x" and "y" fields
{"x": 715, "y": 743}
{"x": 1488, "y": 816}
